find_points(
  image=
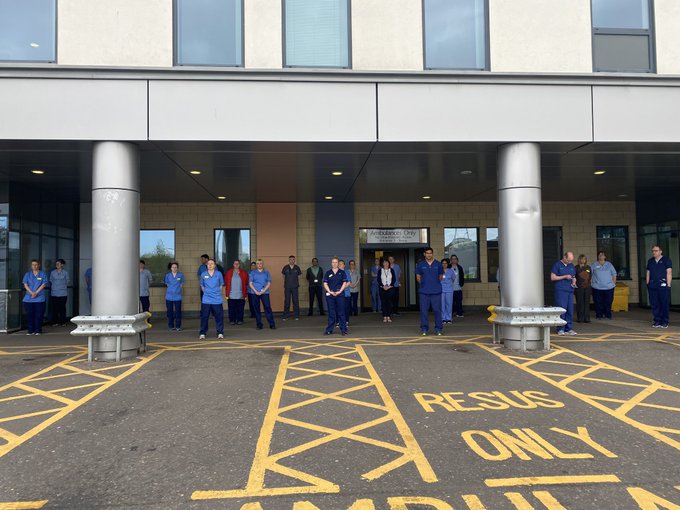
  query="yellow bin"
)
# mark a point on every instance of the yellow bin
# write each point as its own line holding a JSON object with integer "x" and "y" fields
{"x": 621, "y": 293}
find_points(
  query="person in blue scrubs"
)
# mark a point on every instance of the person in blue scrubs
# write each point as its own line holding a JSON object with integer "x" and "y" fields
{"x": 603, "y": 283}
{"x": 447, "y": 292}
{"x": 145, "y": 280}
{"x": 334, "y": 283}
{"x": 212, "y": 282}
{"x": 563, "y": 273}
{"x": 260, "y": 282}
{"x": 202, "y": 269}
{"x": 34, "y": 283}
{"x": 88, "y": 283}
{"x": 346, "y": 293}
{"x": 251, "y": 293}
{"x": 429, "y": 275}
{"x": 59, "y": 282}
{"x": 375, "y": 286}
{"x": 174, "y": 281}
{"x": 659, "y": 276}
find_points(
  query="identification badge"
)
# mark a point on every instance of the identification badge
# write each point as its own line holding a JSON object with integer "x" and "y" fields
{"x": 206, "y": 277}
{"x": 316, "y": 281}
{"x": 39, "y": 279}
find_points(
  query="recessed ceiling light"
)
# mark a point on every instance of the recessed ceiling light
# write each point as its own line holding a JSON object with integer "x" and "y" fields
{"x": 221, "y": 198}
{"x": 599, "y": 172}
{"x": 622, "y": 195}
{"x": 328, "y": 197}
{"x": 466, "y": 172}
{"x": 427, "y": 197}
{"x": 337, "y": 173}
{"x": 35, "y": 45}
{"x": 37, "y": 172}
{"x": 195, "y": 172}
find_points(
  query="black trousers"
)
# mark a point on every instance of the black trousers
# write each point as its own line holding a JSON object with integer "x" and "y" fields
{"x": 315, "y": 291}
{"x": 58, "y": 309}
{"x": 582, "y": 304}
{"x": 387, "y": 299}
{"x": 395, "y": 299}
{"x": 291, "y": 294}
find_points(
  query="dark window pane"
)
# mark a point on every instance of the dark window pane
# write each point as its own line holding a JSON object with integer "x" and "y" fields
{"x": 455, "y": 34}
{"x": 317, "y": 33}
{"x": 209, "y": 32}
{"x": 614, "y": 242}
{"x": 630, "y": 14}
{"x": 492, "y": 256}
{"x": 157, "y": 249}
{"x": 621, "y": 52}
{"x": 232, "y": 244}
{"x": 463, "y": 243}
{"x": 27, "y": 30}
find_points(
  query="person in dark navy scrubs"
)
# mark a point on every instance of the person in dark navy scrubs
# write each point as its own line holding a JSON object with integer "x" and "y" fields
{"x": 34, "y": 283}
{"x": 334, "y": 283}
{"x": 429, "y": 275}
{"x": 563, "y": 273}
{"x": 659, "y": 276}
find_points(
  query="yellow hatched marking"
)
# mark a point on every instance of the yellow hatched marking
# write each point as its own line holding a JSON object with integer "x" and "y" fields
{"x": 264, "y": 461}
{"x": 649, "y": 387}
{"x": 23, "y": 505}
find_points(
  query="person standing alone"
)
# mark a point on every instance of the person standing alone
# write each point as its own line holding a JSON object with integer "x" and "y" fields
{"x": 291, "y": 284}
{"x": 659, "y": 276}
{"x": 563, "y": 274}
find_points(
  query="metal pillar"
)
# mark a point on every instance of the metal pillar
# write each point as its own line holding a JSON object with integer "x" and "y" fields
{"x": 520, "y": 228}
{"x": 115, "y": 240}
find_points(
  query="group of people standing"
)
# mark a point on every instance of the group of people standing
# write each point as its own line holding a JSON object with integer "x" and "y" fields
{"x": 35, "y": 282}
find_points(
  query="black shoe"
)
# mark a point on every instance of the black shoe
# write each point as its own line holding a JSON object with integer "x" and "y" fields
{"x": 310, "y": 314}
{"x": 259, "y": 326}
{"x": 233, "y": 323}
{"x": 272, "y": 326}
{"x": 321, "y": 313}
{"x": 327, "y": 332}
{"x": 344, "y": 333}
{"x": 239, "y": 323}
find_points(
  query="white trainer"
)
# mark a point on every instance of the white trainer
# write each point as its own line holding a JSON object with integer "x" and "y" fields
{"x": 201, "y": 337}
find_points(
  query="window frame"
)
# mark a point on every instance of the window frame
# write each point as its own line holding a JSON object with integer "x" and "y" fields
{"x": 250, "y": 245}
{"x": 478, "y": 243}
{"x": 650, "y": 33}
{"x": 55, "y": 3}
{"x": 487, "y": 41}
{"x": 175, "y": 41}
{"x": 627, "y": 248}
{"x": 156, "y": 282}
{"x": 283, "y": 41}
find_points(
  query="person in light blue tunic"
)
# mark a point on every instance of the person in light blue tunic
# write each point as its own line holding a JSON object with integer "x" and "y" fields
{"x": 59, "y": 282}
{"x": 35, "y": 281}
{"x": 447, "y": 291}
{"x": 212, "y": 301}
{"x": 260, "y": 281}
{"x": 174, "y": 281}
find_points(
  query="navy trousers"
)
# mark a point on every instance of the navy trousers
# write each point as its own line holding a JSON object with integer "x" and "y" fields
{"x": 236, "y": 308}
{"x": 174, "y": 309}
{"x": 216, "y": 311}
{"x": 264, "y": 299}
{"x": 660, "y": 299}
{"x": 336, "y": 313}
{"x": 146, "y": 304}
{"x": 375, "y": 297}
{"x": 34, "y": 316}
{"x": 603, "y": 300}
{"x": 565, "y": 299}
{"x": 433, "y": 301}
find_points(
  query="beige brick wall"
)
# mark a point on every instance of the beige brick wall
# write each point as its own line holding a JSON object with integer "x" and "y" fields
{"x": 306, "y": 247}
{"x": 194, "y": 224}
{"x": 578, "y": 222}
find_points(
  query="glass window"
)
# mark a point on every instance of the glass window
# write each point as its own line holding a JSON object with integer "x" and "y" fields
{"x": 492, "y": 260}
{"x": 622, "y": 36}
{"x": 157, "y": 249}
{"x": 614, "y": 242}
{"x": 621, "y": 14}
{"x": 209, "y": 32}
{"x": 232, "y": 244}
{"x": 455, "y": 34}
{"x": 27, "y": 30}
{"x": 317, "y": 33}
{"x": 463, "y": 243}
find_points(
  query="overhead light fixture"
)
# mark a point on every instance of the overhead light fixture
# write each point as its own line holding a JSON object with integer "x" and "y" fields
{"x": 195, "y": 172}
{"x": 466, "y": 172}
{"x": 328, "y": 197}
{"x": 37, "y": 172}
{"x": 221, "y": 198}
{"x": 599, "y": 172}
{"x": 622, "y": 195}
{"x": 35, "y": 45}
{"x": 427, "y": 197}
{"x": 337, "y": 173}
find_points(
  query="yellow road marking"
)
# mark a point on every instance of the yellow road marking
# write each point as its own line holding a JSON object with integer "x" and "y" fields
{"x": 23, "y": 505}
{"x": 550, "y": 480}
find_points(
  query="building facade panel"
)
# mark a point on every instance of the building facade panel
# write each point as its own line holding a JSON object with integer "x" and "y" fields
{"x": 259, "y": 111}
{"x": 636, "y": 114}
{"x": 115, "y": 33}
{"x": 46, "y": 109}
{"x": 263, "y": 34}
{"x": 667, "y": 30}
{"x": 540, "y": 36}
{"x": 505, "y": 113}
{"x": 387, "y": 35}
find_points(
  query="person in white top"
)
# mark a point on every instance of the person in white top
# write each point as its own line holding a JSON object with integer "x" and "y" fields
{"x": 386, "y": 282}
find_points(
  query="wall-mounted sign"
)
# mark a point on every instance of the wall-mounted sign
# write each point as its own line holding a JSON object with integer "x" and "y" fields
{"x": 395, "y": 235}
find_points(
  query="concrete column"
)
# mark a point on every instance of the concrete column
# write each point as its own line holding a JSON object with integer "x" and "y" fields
{"x": 520, "y": 230}
{"x": 115, "y": 239}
